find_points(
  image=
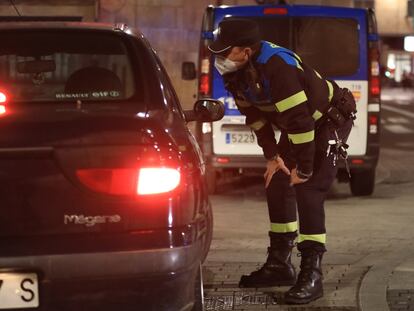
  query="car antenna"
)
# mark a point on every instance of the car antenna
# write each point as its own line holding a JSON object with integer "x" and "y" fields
{"x": 14, "y": 6}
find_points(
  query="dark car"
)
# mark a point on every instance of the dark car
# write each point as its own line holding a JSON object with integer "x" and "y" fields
{"x": 103, "y": 202}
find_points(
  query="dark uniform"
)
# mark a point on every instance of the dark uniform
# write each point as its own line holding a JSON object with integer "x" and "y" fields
{"x": 276, "y": 89}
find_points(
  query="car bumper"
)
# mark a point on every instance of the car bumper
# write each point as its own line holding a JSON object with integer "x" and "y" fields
{"x": 133, "y": 280}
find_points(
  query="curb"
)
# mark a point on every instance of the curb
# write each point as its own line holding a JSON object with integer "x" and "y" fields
{"x": 372, "y": 294}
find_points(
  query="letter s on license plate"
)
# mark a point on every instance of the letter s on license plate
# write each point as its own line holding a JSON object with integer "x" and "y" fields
{"x": 19, "y": 291}
{"x": 240, "y": 138}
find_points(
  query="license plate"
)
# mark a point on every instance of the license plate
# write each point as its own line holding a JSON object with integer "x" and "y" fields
{"x": 240, "y": 138}
{"x": 19, "y": 290}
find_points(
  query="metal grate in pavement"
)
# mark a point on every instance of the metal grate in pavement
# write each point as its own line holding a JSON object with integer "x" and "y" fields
{"x": 400, "y": 299}
{"x": 341, "y": 286}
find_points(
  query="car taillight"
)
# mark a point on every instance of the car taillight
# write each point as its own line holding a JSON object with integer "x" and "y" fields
{"x": 3, "y": 99}
{"x": 157, "y": 180}
{"x": 142, "y": 181}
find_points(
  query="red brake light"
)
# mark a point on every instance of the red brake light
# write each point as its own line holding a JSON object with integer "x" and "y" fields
{"x": 357, "y": 161}
{"x": 375, "y": 86}
{"x": 204, "y": 84}
{"x": 275, "y": 11}
{"x": 2, "y": 109}
{"x": 126, "y": 181}
{"x": 111, "y": 181}
{"x": 157, "y": 180}
{"x": 3, "y": 97}
{"x": 373, "y": 120}
{"x": 223, "y": 160}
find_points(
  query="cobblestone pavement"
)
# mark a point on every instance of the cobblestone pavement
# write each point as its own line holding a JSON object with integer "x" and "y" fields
{"x": 341, "y": 284}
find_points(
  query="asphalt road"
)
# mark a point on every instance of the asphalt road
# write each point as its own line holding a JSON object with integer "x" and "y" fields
{"x": 369, "y": 238}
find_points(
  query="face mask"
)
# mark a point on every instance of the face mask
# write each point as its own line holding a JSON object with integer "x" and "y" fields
{"x": 224, "y": 65}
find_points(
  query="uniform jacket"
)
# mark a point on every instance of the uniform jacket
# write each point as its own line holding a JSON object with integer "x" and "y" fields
{"x": 284, "y": 92}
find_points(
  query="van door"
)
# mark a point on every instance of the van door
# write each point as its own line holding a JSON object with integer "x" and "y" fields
{"x": 331, "y": 40}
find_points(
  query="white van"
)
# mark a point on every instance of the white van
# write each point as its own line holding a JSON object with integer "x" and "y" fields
{"x": 340, "y": 43}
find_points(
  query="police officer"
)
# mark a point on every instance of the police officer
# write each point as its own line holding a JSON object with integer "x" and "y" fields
{"x": 273, "y": 87}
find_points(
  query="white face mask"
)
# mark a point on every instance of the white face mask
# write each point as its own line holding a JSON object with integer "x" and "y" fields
{"x": 225, "y": 65}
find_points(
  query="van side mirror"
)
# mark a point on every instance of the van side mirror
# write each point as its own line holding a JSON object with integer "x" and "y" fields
{"x": 188, "y": 71}
{"x": 205, "y": 110}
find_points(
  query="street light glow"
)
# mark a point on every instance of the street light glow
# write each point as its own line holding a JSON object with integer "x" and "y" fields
{"x": 409, "y": 43}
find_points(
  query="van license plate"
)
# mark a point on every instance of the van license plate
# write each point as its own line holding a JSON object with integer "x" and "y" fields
{"x": 19, "y": 291}
{"x": 240, "y": 138}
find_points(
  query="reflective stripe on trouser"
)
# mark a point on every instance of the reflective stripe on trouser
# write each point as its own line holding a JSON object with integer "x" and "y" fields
{"x": 284, "y": 227}
{"x": 302, "y": 138}
{"x": 308, "y": 198}
{"x": 320, "y": 238}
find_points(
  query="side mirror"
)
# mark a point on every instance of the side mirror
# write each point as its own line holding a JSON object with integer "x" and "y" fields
{"x": 205, "y": 110}
{"x": 188, "y": 71}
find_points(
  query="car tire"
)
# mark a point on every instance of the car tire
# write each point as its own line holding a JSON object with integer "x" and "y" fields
{"x": 199, "y": 291}
{"x": 362, "y": 182}
{"x": 211, "y": 176}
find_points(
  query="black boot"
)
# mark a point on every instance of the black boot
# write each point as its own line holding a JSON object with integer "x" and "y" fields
{"x": 309, "y": 284}
{"x": 278, "y": 269}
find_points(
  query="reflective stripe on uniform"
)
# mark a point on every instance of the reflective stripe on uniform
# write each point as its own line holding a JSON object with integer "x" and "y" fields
{"x": 302, "y": 138}
{"x": 298, "y": 65}
{"x": 330, "y": 87}
{"x": 317, "y": 115}
{"x": 291, "y": 101}
{"x": 284, "y": 228}
{"x": 321, "y": 238}
{"x": 242, "y": 103}
{"x": 257, "y": 125}
{"x": 317, "y": 73}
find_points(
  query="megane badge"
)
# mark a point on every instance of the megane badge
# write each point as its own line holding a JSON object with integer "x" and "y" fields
{"x": 90, "y": 221}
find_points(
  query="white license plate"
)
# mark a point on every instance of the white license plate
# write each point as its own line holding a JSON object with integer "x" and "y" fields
{"x": 240, "y": 138}
{"x": 19, "y": 290}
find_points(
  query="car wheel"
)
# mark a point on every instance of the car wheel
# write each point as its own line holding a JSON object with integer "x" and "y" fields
{"x": 199, "y": 291}
{"x": 211, "y": 176}
{"x": 362, "y": 182}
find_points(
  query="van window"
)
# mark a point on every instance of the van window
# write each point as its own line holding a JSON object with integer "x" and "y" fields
{"x": 329, "y": 45}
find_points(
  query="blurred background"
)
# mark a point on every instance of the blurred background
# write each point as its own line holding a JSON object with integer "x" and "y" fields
{"x": 173, "y": 28}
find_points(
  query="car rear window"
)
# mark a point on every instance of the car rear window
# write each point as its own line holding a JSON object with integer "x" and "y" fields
{"x": 39, "y": 66}
{"x": 329, "y": 45}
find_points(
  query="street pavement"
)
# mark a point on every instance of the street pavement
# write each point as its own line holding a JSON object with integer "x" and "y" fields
{"x": 369, "y": 265}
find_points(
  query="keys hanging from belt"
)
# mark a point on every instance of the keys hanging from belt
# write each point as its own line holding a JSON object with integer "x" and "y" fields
{"x": 337, "y": 148}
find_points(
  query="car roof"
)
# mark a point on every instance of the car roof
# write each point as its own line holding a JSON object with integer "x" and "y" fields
{"x": 52, "y": 25}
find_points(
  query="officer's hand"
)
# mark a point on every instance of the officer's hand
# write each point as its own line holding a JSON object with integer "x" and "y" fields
{"x": 272, "y": 167}
{"x": 294, "y": 179}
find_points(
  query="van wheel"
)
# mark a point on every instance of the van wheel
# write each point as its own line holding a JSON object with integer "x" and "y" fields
{"x": 362, "y": 182}
{"x": 199, "y": 291}
{"x": 211, "y": 176}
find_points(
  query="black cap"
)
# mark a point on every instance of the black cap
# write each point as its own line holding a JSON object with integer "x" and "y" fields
{"x": 235, "y": 32}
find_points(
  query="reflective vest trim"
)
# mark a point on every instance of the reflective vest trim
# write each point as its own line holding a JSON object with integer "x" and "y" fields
{"x": 302, "y": 138}
{"x": 330, "y": 87}
{"x": 291, "y": 101}
{"x": 317, "y": 115}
